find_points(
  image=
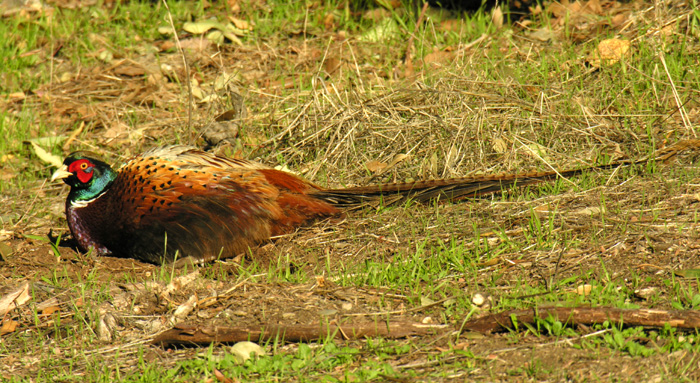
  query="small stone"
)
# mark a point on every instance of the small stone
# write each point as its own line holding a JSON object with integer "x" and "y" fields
{"x": 645, "y": 293}
{"x": 244, "y": 350}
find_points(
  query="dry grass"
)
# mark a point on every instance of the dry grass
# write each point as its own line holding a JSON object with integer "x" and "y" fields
{"x": 501, "y": 103}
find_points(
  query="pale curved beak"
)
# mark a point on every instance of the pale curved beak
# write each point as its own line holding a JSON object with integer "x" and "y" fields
{"x": 61, "y": 173}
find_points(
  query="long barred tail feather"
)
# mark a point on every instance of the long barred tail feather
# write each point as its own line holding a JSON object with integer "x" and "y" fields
{"x": 455, "y": 189}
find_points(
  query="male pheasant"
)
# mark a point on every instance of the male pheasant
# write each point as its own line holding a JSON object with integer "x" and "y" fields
{"x": 181, "y": 200}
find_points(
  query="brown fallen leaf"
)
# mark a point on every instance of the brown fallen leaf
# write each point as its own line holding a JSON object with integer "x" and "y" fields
{"x": 14, "y": 298}
{"x": 222, "y": 378}
{"x": 331, "y": 65}
{"x": 375, "y": 166}
{"x": 240, "y": 24}
{"x": 438, "y": 57}
{"x": 608, "y": 52}
{"x": 8, "y": 327}
{"x": 50, "y": 310}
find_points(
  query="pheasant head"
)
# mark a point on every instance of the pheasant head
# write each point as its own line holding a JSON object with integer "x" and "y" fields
{"x": 87, "y": 177}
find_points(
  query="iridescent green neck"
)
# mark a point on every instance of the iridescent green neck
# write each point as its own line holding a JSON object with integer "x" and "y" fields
{"x": 100, "y": 182}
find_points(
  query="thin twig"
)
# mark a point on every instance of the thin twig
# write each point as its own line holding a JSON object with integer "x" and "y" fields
{"x": 409, "y": 47}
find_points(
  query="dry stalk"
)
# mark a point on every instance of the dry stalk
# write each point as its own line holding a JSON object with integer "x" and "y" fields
{"x": 187, "y": 72}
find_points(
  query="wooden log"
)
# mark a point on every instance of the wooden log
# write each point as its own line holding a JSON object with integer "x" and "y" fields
{"x": 184, "y": 335}
{"x": 682, "y": 319}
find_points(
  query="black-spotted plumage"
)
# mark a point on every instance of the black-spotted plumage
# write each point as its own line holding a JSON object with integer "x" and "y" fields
{"x": 180, "y": 200}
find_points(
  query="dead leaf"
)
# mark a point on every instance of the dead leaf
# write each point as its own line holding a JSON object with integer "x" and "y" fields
{"x": 240, "y": 24}
{"x": 45, "y": 156}
{"x": 8, "y": 326}
{"x": 48, "y": 311}
{"x": 618, "y": 19}
{"x": 331, "y": 65}
{"x": 197, "y": 92}
{"x": 165, "y": 30}
{"x": 228, "y": 115}
{"x": 14, "y": 299}
{"x": 438, "y": 57}
{"x": 216, "y": 36}
{"x": 542, "y": 34}
{"x": 594, "y": 7}
{"x": 202, "y": 26}
{"x": 497, "y": 17}
{"x": 500, "y": 145}
{"x": 590, "y": 211}
{"x": 584, "y": 290}
{"x": 230, "y": 28}
{"x": 221, "y": 377}
{"x": 375, "y": 166}
{"x": 608, "y": 52}
{"x": 397, "y": 158}
{"x": 234, "y": 6}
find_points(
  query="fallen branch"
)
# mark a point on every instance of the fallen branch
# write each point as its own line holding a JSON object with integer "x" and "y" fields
{"x": 682, "y": 319}
{"x": 193, "y": 335}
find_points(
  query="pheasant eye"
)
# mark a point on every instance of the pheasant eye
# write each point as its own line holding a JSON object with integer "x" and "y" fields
{"x": 83, "y": 170}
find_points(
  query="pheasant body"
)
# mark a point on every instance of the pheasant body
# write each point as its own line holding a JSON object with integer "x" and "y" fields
{"x": 180, "y": 200}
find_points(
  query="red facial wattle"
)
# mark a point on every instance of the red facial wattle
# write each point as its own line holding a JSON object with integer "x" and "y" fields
{"x": 82, "y": 169}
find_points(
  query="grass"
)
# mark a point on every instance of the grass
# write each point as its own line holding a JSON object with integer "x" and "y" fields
{"x": 508, "y": 103}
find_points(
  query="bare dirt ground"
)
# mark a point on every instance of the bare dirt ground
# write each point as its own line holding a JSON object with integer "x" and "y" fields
{"x": 630, "y": 228}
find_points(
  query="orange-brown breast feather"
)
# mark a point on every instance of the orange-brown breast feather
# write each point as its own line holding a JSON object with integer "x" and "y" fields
{"x": 208, "y": 205}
